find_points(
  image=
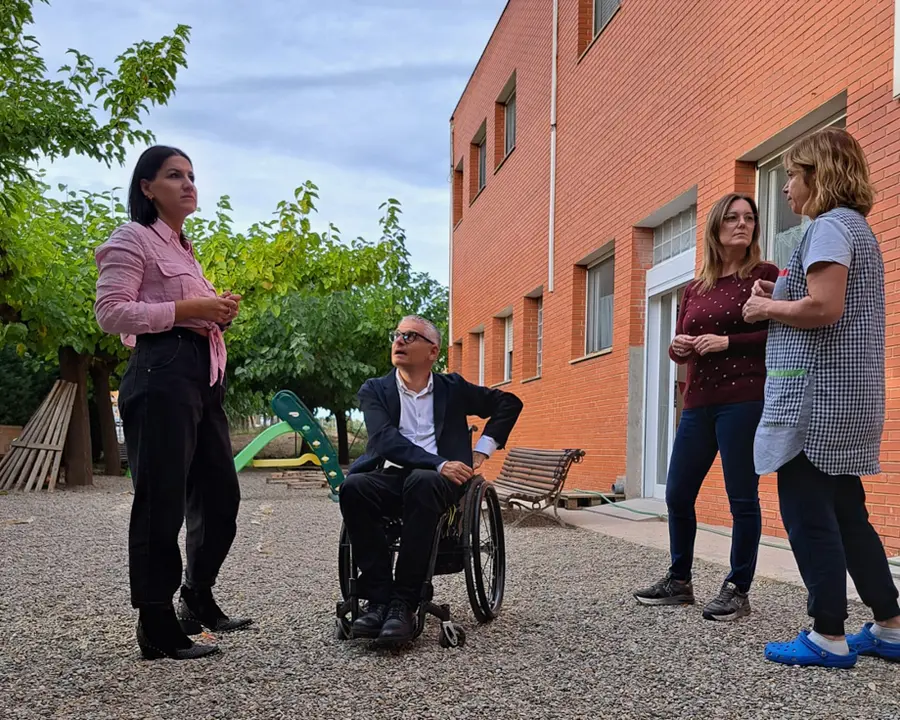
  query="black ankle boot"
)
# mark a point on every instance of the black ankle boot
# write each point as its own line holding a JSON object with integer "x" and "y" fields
{"x": 159, "y": 635}
{"x": 198, "y": 609}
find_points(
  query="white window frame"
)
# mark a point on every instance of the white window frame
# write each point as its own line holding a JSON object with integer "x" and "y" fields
{"x": 588, "y": 335}
{"x": 507, "y": 348}
{"x": 896, "y": 49}
{"x": 764, "y": 191}
{"x": 509, "y": 123}
{"x": 481, "y": 358}
{"x": 667, "y": 228}
{"x": 540, "y": 336}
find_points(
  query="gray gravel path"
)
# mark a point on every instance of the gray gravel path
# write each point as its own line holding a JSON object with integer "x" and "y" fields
{"x": 570, "y": 641}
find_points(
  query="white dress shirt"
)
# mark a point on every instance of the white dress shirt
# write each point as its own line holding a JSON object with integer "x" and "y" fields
{"x": 417, "y": 421}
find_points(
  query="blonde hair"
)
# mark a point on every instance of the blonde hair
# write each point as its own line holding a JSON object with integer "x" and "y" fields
{"x": 835, "y": 169}
{"x": 711, "y": 269}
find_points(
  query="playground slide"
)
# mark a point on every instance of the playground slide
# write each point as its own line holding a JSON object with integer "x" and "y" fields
{"x": 293, "y": 412}
{"x": 259, "y": 442}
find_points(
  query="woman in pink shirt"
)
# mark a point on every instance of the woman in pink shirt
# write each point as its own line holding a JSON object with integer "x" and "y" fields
{"x": 151, "y": 291}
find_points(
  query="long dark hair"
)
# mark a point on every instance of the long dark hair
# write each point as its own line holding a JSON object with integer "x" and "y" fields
{"x": 151, "y": 160}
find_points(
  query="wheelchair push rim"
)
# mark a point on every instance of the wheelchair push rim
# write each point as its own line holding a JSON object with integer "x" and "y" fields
{"x": 485, "y": 551}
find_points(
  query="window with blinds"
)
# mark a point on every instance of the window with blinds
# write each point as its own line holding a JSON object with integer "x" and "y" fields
{"x": 599, "y": 313}
{"x": 507, "y": 348}
{"x": 603, "y": 12}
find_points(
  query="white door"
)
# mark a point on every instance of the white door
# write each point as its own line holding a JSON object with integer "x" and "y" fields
{"x": 663, "y": 396}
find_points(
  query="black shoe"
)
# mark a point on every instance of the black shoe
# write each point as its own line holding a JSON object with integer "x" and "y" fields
{"x": 730, "y": 604}
{"x": 159, "y": 636}
{"x": 197, "y": 610}
{"x": 667, "y": 591}
{"x": 369, "y": 624}
{"x": 399, "y": 626}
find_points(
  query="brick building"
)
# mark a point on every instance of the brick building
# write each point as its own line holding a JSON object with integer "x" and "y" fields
{"x": 587, "y": 148}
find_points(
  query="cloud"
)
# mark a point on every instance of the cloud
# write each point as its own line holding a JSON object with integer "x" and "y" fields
{"x": 355, "y": 95}
{"x": 395, "y": 76}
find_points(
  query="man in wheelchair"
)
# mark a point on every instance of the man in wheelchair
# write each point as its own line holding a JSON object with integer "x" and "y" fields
{"x": 417, "y": 461}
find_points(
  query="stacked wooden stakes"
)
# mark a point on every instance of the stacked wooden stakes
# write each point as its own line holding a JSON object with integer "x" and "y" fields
{"x": 34, "y": 457}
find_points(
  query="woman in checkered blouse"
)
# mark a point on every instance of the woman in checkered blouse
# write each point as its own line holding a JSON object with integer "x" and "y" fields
{"x": 824, "y": 401}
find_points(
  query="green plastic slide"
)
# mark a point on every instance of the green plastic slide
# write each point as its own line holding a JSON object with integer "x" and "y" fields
{"x": 294, "y": 413}
{"x": 259, "y": 442}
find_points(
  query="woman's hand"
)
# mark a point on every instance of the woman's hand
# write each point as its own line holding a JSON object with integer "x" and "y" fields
{"x": 228, "y": 295}
{"x": 706, "y": 344}
{"x": 220, "y": 310}
{"x": 683, "y": 345}
{"x": 763, "y": 288}
{"x": 756, "y": 308}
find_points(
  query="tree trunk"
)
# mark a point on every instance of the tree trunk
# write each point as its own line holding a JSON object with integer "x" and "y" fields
{"x": 340, "y": 419}
{"x": 77, "y": 452}
{"x": 100, "y": 375}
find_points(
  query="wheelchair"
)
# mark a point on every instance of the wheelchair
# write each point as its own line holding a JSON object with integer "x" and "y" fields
{"x": 469, "y": 539}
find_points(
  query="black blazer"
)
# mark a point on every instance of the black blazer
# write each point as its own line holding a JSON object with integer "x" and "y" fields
{"x": 455, "y": 400}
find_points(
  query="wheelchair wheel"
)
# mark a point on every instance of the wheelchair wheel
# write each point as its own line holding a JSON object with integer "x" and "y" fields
{"x": 485, "y": 550}
{"x": 345, "y": 563}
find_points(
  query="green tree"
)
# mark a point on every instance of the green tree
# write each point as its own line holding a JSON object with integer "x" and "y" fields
{"x": 324, "y": 346}
{"x": 24, "y": 382}
{"x": 52, "y": 289}
{"x": 85, "y": 110}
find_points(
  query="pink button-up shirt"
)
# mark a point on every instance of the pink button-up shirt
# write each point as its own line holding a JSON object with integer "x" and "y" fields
{"x": 143, "y": 271}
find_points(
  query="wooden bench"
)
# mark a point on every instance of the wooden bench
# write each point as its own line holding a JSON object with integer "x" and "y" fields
{"x": 535, "y": 478}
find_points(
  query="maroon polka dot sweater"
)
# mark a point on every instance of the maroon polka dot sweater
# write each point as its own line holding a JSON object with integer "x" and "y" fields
{"x": 737, "y": 374}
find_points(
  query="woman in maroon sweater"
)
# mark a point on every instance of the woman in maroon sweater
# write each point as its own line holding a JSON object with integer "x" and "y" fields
{"x": 723, "y": 402}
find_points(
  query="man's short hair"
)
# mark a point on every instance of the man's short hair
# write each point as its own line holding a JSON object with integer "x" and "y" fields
{"x": 435, "y": 334}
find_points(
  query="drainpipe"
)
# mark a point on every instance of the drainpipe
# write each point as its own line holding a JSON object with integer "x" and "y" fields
{"x": 450, "y": 283}
{"x": 551, "y": 238}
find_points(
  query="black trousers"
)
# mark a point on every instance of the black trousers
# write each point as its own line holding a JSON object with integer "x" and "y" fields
{"x": 830, "y": 533}
{"x": 179, "y": 450}
{"x": 420, "y": 497}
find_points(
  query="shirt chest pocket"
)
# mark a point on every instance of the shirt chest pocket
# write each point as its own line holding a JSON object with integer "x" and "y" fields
{"x": 174, "y": 281}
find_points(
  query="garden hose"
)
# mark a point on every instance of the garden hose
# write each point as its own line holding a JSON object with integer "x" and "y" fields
{"x": 662, "y": 516}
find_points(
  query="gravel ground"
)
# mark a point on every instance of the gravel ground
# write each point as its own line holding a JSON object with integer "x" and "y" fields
{"x": 570, "y": 641}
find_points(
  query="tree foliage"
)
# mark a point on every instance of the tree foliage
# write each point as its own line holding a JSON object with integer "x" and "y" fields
{"x": 86, "y": 110}
{"x": 323, "y": 346}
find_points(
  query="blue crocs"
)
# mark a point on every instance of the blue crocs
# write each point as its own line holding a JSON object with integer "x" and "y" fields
{"x": 865, "y": 643}
{"x": 804, "y": 652}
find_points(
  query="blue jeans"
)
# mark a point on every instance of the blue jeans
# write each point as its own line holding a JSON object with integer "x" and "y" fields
{"x": 702, "y": 433}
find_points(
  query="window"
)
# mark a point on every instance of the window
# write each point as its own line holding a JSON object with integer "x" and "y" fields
{"x": 781, "y": 229}
{"x": 505, "y": 121}
{"x": 540, "y": 335}
{"x": 676, "y": 235}
{"x": 481, "y": 358}
{"x": 482, "y": 164}
{"x": 507, "y": 347}
{"x": 478, "y": 162}
{"x": 599, "y": 311}
{"x": 458, "y": 193}
{"x": 509, "y": 118}
{"x": 603, "y": 12}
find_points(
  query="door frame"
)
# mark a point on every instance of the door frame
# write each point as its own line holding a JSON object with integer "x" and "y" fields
{"x": 661, "y": 279}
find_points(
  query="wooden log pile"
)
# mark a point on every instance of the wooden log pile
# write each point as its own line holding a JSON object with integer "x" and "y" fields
{"x": 34, "y": 457}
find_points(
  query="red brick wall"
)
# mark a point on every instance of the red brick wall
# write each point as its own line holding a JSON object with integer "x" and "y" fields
{"x": 663, "y": 100}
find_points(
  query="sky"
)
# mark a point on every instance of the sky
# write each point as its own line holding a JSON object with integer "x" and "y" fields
{"x": 355, "y": 95}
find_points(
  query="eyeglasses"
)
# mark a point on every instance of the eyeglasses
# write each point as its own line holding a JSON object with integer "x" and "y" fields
{"x": 408, "y": 337}
{"x": 732, "y": 219}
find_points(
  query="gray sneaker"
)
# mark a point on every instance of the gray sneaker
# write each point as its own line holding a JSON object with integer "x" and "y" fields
{"x": 667, "y": 591}
{"x": 729, "y": 604}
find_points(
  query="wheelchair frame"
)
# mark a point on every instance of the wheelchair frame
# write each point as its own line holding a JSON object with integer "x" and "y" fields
{"x": 457, "y": 547}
